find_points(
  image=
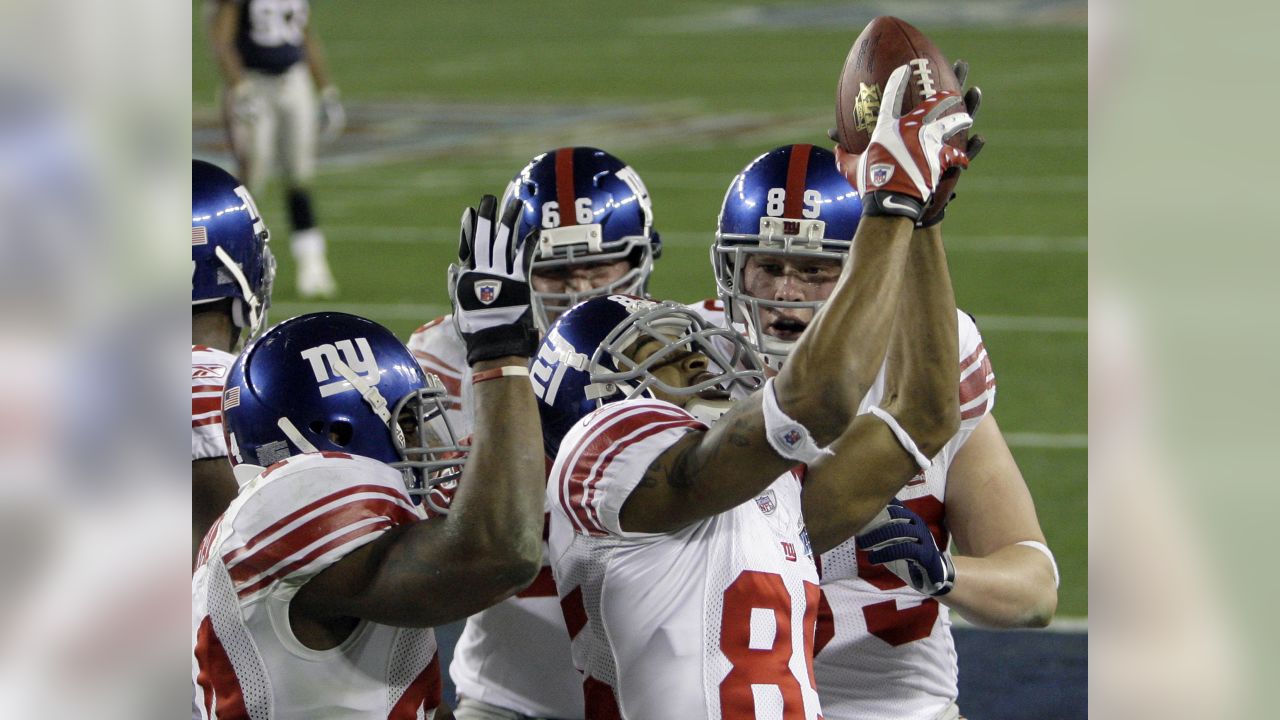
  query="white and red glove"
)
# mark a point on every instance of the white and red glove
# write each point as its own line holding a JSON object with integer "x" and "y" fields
{"x": 907, "y": 155}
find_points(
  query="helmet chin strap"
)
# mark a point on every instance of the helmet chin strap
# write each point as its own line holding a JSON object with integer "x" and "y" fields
{"x": 247, "y": 312}
{"x": 370, "y": 393}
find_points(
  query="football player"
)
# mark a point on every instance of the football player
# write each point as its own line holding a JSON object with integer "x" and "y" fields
{"x": 316, "y": 591}
{"x": 271, "y": 63}
{"x": 232, "y": 270}
{"x": 680, "y": 552}
{"x": 596, "y": 237}
{"x": 880, "y": 618}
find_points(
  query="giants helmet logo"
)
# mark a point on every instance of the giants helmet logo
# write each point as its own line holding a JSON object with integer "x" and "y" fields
{"x": 355, "y": 355}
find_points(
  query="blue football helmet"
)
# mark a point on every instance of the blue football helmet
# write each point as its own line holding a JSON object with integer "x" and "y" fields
{"x": 230, "y": 256}
{"x": 791, "y": 202}
{"x": 591, "y": 207}
{"x": 329, "y": 381}
{"x": 583, "y": 362}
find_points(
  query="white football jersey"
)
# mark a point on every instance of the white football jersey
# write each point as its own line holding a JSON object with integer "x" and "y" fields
{"x": 291, "y": 522}
{"x": 209, "y": 369}
{"x": 514, "y": 655}
{"x": 883, "y": 649}
{"x": 440, "y": 351}
{"x": 715, "y": 620}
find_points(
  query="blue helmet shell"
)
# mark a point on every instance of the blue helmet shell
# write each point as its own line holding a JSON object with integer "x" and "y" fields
{"x": 230, "y": 254}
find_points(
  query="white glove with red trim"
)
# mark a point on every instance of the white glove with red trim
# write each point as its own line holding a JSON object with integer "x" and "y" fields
{"x": 908, "y": 153}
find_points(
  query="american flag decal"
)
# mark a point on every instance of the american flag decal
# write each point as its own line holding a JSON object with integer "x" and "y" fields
{"x": 199, "y": 235}
{"x": 231, "y": 398}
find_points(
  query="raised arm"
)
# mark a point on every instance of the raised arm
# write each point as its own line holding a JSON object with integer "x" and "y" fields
{"x": 489, "y": 546}
{"x": 871, "y": 462}
{"x": 813, "y": 401}
{"x": 708, "y": 472}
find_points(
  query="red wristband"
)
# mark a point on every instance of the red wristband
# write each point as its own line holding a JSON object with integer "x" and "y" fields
{"x": 499, "y": 372}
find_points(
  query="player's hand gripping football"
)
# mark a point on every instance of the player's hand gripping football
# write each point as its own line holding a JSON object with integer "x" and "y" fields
{"x": 490, "y": 284}
{"x": 946, "y": 190}
{"x": 900, "y": 541}
{"x": 908, "y": 153}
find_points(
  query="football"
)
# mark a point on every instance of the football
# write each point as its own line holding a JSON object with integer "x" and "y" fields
{"x": 885, "y": 44}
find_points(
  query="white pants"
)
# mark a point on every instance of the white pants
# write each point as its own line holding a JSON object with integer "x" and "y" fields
{"x": 469, "y": 709}
{"x": 283, "y": 128}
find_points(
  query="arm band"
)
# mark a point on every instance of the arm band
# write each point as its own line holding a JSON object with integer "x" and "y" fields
{"x": 787, "y": 437}
{"x": 1034, "y": 545}
{"x": 903, "y": 438}
{"x": 499, "y": 372}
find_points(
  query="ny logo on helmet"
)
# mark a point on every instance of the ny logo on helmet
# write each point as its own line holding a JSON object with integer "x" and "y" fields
{"x": 329, "y": 360}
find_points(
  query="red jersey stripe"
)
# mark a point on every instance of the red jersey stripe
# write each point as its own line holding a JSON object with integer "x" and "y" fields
{"x": 575, "y": 613}
{"x": 430, "y": 324}
{"x": 217, "y": 677}
{"x": 544, "y": 585}
{"x": 797, "y": 173}
{"x": 215, "y": 420}
{"x": 565, "y": 194}
{"x": 346, "y": 538}
{"x": 275, "y": 527}
{"x": 597, "y": 441}
{"x": 424, "y": 692}
{"x": 591, "y": 483}
{"x": 314, "y": 530}
{"x": 610, "y": 415}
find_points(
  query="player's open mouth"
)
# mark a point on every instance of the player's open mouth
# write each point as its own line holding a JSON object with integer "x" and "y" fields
{"x": 785, "y": 328}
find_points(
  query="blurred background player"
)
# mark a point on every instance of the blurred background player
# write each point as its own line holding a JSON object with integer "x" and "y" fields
{"x": 271, "y": 63}
{"x": 232, "y": 270}
{"x": 595, "y": 237}
{"x": 316, "y": 592}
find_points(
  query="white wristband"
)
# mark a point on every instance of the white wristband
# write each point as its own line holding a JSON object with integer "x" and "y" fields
{"x": 903, "y": 438}
{"x": 787, "y": 437}
{"x": 1034, "y": 545}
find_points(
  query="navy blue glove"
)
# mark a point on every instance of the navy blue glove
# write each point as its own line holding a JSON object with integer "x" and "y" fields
{"x": 900, "y": 540}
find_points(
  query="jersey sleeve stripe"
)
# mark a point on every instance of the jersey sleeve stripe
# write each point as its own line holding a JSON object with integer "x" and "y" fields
{"x": 598, "y": 468}
{"x": 273, "y": 531}
{"x": 203, "y": 422}
{"x": 977, "y": 384}
{"x": 356, "y": 512}
{"x": 609, "y": 419}
{"x": 347, "y": 538}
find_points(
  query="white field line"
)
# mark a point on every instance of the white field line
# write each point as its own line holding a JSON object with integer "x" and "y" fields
{"x": 413, "y": 235}
{"x": 1032, "y": 324}
{"x": 1051, "y": 441}
{"x": 1057, "y": 625}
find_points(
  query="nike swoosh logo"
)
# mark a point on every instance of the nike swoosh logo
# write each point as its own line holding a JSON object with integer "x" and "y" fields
{"x": 892, "y": 204}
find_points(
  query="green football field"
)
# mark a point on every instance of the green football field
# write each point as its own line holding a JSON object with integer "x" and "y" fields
{"x": 446, "y": 100}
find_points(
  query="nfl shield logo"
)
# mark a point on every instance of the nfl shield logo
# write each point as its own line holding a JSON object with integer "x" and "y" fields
{"x": 487, "y": 291}
{"x": 766, "y": 503}
{"x": 880, "y": 174}
{"x": 792, "y": 437}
